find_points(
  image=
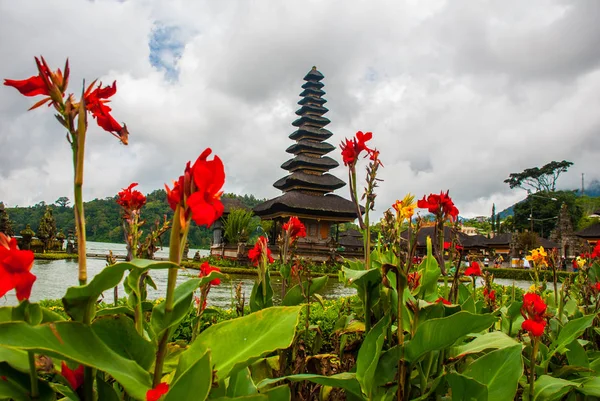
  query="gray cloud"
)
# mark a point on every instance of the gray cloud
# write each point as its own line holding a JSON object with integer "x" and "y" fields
{"x": 458, "y": 94}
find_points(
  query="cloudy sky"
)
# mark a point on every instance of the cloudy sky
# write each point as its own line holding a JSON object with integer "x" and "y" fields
{"x": 458, "y": 94}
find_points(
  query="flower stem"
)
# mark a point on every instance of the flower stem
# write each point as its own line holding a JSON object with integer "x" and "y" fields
{"x": 175, "y": 257}
{"x": 400, "y": 333}
{"x": 532, "y": 366}
{"x": 78, "y": 159}
{"x": 35, "y": 392}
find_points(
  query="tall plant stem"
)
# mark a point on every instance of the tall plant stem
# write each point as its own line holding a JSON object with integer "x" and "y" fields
{"x": 35, "y": 392}
{"x": 400, "y": 333}
{"x": 175, "y": 257}
{"x": 532, "y": 366}
{"x": 78, "y": 146}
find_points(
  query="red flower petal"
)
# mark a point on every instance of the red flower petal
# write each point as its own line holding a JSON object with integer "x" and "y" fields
{"x": 73, "y": 376}
{"x": 157, "y": 392}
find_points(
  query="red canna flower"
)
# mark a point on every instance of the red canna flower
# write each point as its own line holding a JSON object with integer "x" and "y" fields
{"x": 131, "y": 199}
{"x": 157, "y": 392}
{"x": 206, "y": 269}
{"x": 15, "y": 266}
{"x": 95, "y": 102}
{"x": 73, "y": 376}
{"x": 198, "y": 191}
{"x": 48, "y": 83}
{"x": 441, "y": 205}
{"x": 443, "y": 300}
{"x": 534, "y": 327}
{"x": 414, "y": 280}
{"x": 260, "y": 250}
{"x": 597, "y": 286}
{"x": 456, "y": 246}
{"x": 295, "y": 228}
{"x": 351, "y": 149}
{"x": 533, "y": 310}
{"x": 596, "y": 252}
{"x": 473, "y": 269}
{"x": 489, "y": 294}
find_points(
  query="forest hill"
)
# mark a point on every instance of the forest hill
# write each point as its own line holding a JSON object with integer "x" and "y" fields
{"x": 103, "y": 217}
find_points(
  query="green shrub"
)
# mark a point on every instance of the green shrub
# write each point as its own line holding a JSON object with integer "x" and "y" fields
{"x": 526, "y": 274}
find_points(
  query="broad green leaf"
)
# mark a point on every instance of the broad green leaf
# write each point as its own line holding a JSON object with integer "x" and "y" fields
{"x": 493, "y": 340}
{"x": 106, "y": 392}
{"x": 16, "y": 358}
{"x": 576, "y": 355}
{"x": 119, "y": 334}
{"x": 346, "y": 381}
{"x": 24, "y": 312}
{"x": 500, "y": 371}
{"x": 279, "y": 393}
{"x": 241, "y": 384}
{"x": 80, "y": 300}
{"x": 117, "y": 310}
{"x": 77, "y": 342}
{"x": 466, "y": 389}
{"x": 192, "y": 382}
{"x": 437, "y": 334}
{"x": 261, "y": 296}
{"x": 294, "y": 295}
{"x": 368, "y": 355}
{"x": 570, "y": 332}
{"x": 387, "y": 367}
{"x": 15, "y": 385}
{"x": 237, "y": 343}
{"x": 362, "y": 278}
{"x": 548, "y": 388}
{"x": 254, "y": 397}
{"x": 589, "y": 386}
{"x": 430, "y": 273}
{"x": 182, "y": 299}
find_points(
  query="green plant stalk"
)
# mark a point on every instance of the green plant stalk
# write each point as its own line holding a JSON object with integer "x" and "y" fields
{"x": 78, "y": 147}
{"x": 175, "y": 257}
{"x": 400, "y": 334}
{"x": 307, "y": 322}
{"x": 561, "y": 304}
{"x": 35, "y": 392}
{"x": 555, "y": 279}
{"x": 199, "y": 311}
{"x": 534, "y": 352}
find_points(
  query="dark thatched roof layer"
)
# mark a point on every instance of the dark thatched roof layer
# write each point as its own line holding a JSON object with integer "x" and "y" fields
{"x": 589, "y": 232}
{"x": 232, "y": 203}
{"x": 301, "y": 160}
{"x": 321, "y": 183}
{"x": 351, "y": 239}
{"x": 312, "y": 108}
{"x": 320, "y": 148}
{"x": 425, "y": 232}
{"x": 312, "y": 99}
{"x": 319, "y": 134}
{"x": 312, "y": 92}
{"x": 295, "y": 202}
{"x": 310, "y": 119}
{"x": 314, "y": 75}
{"x": 475, "y": 241}
{"x": 500, "y": 239}
{"x": 313, "y": 84}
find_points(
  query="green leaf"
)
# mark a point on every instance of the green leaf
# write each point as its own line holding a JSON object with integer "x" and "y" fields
{"x": 500, "y": 371}
{"x": 466, "y": 389}
{"x": 237, "y": 343}
{"x": 80, "y": 300}
{"x": 182, "y": 299}
{"x": 16, "y": 358}
{"x": 549, "y": 388}
{"x": 572, "y": 330}
{"x": 576, "y": 355}
{"x": 15, "y": 385}
{"x": 368, "y": 355}
{"x": 261, "y": 296}
{"x": 437, "y": 334}
{"x": 430, "y": 273}
{"x": 493, "y": 340}
{"x": 241, "y": 384}
{"x": 120, "y": 335}
{"x": 346, "y": 381}
{"x": 192, "y": 381}
{"x": 79, "y": 343}
{"x": 589, "y": 386}
{"x": 280, "y": 393}
{"x": 106, "y": 392}
{"x": 294, "y": 295}
{"x": 362, "y": 278}
{"x": 117, "y": 310}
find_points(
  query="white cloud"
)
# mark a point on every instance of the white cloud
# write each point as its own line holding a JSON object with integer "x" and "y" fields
{"x": 458, "y": 94}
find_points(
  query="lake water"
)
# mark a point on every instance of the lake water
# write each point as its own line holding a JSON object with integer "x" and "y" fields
{"x": 55, "y": 276}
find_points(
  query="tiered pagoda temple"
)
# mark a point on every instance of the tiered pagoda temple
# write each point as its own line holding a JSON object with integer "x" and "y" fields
{"x": 307, "y": 189}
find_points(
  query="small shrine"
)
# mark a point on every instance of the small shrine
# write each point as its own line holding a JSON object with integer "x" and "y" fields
{"x": 308, "y": 188}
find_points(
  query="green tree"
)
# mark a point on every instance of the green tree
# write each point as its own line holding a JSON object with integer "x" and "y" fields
{"x": 539, "y": 178}
{"x": 239, "y": 225}
{"x": 63, "y": 202}
{"x": 5, "y": 223}
{"x": 544, "y": 208}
